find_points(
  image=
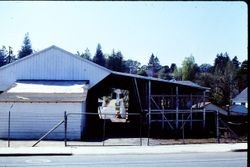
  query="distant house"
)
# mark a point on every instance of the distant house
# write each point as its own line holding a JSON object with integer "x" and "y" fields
{"x": 241, "y": 99}
{"x": 240, "y": 103}
{"x": 235, "y": 110}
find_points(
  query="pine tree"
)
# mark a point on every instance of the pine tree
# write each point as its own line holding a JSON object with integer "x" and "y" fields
{"x": 2, "y": 58}
{"x": 236, "y": 62}
{"x": 153, "y": 65}
{"x": 6, "y": 56}
{"x": 86, "y": 54}
{"x": 3, "y": 55}
{"x": 115, "y": 62}
{"x": 26, "y": 47}
{"x": 99, "y": 56}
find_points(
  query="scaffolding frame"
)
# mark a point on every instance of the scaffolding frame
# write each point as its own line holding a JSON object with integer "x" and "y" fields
{"x": 175, "y": 104}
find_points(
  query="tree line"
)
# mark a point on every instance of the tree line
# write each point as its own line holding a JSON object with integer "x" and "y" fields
{"x": 226, "y": 77}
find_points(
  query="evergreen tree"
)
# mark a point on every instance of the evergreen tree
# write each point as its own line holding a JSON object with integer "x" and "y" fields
{"x": 86, "y": 54}
{"x": 225, "y": 85}
{"x": 153, "y": 65}
{"x": 220, "y": 63}
{"x": 165, "y": 73}
{"x": 236, "y": 62}
{"x": 26, "y": 47}
{"x": 99, "y": 56}
{"x": 10, "y": 58}
{"x": 173, "y": 67}
{"x": 6, "y": 56}
{"x": 205, "y": 68}
{"x": 2, "y": 60}
{"x": 242, "y": 76}
{"x": 3, "y": 55}
{"x": 115, "y": 62}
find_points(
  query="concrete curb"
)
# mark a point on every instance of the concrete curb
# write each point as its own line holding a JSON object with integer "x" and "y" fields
{"x": 35, "y": 151}
{"x": 34, "y": 154}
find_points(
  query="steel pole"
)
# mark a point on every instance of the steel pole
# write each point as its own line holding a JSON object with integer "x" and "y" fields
{"x": 9, "y": 130}
{"x": 65, "y": 128}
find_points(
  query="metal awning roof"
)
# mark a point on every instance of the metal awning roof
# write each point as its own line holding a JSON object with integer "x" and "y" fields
{"x": 174, "y": 82}
{"x": 46, "y": 91}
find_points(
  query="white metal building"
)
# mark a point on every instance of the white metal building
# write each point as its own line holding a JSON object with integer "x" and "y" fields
{"x": 36, "y": 106}
{"x": 52, "y": 63}
{"x": 39, "y": 88}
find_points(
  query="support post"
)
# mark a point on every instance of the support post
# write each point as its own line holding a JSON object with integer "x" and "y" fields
{"x": 149, "y": 100}
{"x": 9, "y": 126}
{"x": 177, "y": 109}
{"x": 183, "y": 126}
{"x": 163, "y": 113}
{"x": 204, "y": 110}
{"x": 149, "y": 108}
{"x": 191, "y": 112}
{"x": 65, "y": 128}
{"x": 138, "y": 94}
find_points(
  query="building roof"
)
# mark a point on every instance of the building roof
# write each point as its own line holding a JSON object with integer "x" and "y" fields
{"x": 46, "y": 91}
{"x": 238, "y": 110}
{"x": 242, "y": 97}
{"x": 235, "y": 110}
{"x": 49, "y": 48}
{"x": 210, "y": 107}
{"x": 52, "y": 63}
{"x": 183, "y": 83}
{"x": 107, "y": 71}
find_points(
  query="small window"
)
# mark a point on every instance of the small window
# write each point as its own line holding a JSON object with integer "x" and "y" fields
{"x": 243, "y": 104}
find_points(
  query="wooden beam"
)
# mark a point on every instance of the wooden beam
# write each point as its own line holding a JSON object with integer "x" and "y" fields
{"x": 138, "y": 94}
{"x": 149, "y": 101}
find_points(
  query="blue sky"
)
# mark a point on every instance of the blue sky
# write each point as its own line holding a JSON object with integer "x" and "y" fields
{"x": 170, "y": 30}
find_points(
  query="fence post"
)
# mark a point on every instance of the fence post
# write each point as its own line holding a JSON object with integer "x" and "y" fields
{"x": 140, "y": 129}
{"x": 9, "y": 130}
{"x": 183, "y": 125}
{"x": 217, "y": 127}
{"x": 65, "y": 128}
{"x": 104, "y": 128}
{"x": 149, "y": 128}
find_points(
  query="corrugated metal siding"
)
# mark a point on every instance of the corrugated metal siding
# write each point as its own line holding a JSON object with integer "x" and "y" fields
{"x": 31, "y": 121}
{"x": 52, "y": 64}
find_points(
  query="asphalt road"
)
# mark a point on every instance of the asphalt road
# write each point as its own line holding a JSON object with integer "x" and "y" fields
{"x": 222, "y": 159}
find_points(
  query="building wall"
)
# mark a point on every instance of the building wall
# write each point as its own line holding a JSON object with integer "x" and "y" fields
{"x": 33, "y": 120}
{"x": 51, "y": 64}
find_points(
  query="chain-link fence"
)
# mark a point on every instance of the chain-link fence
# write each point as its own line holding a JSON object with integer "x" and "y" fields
{"x": 94, "y": 129}
{"x": 107, "y": 129}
